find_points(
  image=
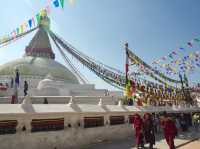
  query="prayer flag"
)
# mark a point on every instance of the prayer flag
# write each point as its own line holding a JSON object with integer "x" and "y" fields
{"x": 14, "y": 34}
{"x": 33, "y": 21}
{"x": 30, "y": 23}
{"x": 43, "y": 12}
{"x": 21, "y": 28}
{"x": 174, "y": 52}
{"x": 56, "y": 3}
{"x": 170, "y": 55}
{"x": 164, "y": 58}
{"x": 189, "y": 44}
{"x": 197, "y": 40}
{"x": 38, "y": 18}
{"x": 48, "y": 9}
{"x": 62, "y": 3}
{"x": 191, "y": 55}
{"x": 17, "y": 30}
{"x": 72, "y": 2}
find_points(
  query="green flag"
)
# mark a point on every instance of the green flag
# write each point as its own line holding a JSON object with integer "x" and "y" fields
{"x": 38, "y": 18}
{"x": 17, "y": 31}
{"x": 62, "y": 3}
{"x": 197, "y": 40}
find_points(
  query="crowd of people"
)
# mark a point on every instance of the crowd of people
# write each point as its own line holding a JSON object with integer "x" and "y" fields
{"x": 149, "y": 124}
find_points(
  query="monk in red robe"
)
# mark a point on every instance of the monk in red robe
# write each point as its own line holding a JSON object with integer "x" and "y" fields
{"x": 138, "y": 126}
{"x": 170, "y": 130}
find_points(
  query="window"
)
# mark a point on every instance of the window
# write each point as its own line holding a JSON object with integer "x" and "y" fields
{"x": 93, "y": 121}
{"x": 47, "y": 124}
{"x": 8, "y": 127}
{"x": 116, "y": 120}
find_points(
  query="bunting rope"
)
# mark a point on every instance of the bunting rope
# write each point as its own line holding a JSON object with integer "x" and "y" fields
{"x": 107, "y": 74}
{"x": 171, "y": 55}
{"x": 77, "y": 73}
{"x": 9, "y": 40}
{"x": 136, "y": 60}
{"x": 113, "y": 78}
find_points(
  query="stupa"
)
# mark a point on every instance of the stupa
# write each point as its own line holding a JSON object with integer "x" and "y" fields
{"x": 45, "y": 76}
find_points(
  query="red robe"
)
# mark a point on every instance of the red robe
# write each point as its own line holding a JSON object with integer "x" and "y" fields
{"x": 170, "y": 131}
{"x": 138, "y": 124}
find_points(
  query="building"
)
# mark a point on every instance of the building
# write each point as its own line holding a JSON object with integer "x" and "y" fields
{"x": 45, "y": 76}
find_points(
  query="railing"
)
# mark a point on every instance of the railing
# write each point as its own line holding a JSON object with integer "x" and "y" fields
{"x": 64, "y": 99}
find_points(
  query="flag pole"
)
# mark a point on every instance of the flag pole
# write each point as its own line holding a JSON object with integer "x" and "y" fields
{"x": 126, "y": 63}
{"x": 126, "y": 69}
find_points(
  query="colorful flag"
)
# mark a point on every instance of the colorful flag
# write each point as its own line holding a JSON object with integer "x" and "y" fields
{"x": 43, "y": 13}
{"x": 14, "y": 34}
{"x": 21, "y": 28}
{"x": 48, "y": 9}
{"x": 191, "y": 55}
{"x": 164, "y": 58}
{"x": 38, "y": 18}
{"x": 18, "y": 31}
{"x": 62, "y": 3}
{"x": 127, "y": 64}
{"x": 197, "y": 40}
{"x": 189, "y": 44}
{"x": 174, "y": 52}
{"x": 72, "y": 2}
{"x": 30, "y": 23}
{"x": 56, "y": 3}
{"x": 170, "y": 55}
{"x": 33, "y": 21}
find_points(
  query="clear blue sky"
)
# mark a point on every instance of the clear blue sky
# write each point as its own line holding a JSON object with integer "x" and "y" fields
{"x": 99, "y": 28}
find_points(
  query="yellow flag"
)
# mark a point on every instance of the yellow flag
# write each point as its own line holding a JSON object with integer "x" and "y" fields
{"x": 191, "y": 55}
{"x": 72, "y": 2}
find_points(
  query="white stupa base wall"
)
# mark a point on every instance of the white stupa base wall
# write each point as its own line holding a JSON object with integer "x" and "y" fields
{"x": 65, "y": 139}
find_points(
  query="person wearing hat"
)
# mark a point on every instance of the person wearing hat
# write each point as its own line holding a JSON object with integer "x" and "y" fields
{"x": 138, "y": 126}
{"x": 148, "y": 130}
{"x": 169, "y": 129}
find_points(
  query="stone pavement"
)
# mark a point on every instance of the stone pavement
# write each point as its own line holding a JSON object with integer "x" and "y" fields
{"x": 182, "y": 141}
{"x": 192, "y": 145}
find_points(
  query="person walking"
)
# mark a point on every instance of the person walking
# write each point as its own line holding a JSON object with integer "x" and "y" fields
{"x": 149, "y": 130}
{"x": 138, "y": 126}
{"x": 170, "y": 130}
{"x": 25, "y": 88}
{"x": 183, "y": 122}
{"x": 196, "y": 119}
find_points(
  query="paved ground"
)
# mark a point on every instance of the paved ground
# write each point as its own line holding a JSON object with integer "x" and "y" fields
{"x": 192, "y": 145}
{"x": 183, "y": 141}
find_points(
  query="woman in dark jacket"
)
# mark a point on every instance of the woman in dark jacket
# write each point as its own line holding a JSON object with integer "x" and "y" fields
{"x": 149, "y": 130}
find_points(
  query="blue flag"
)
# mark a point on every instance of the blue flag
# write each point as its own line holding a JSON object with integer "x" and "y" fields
{"x": 56, "y": 3}
{"x": 30, "y": 23}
